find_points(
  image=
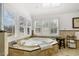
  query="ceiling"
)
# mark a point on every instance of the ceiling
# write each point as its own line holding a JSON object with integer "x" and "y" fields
{"x": 39, "y": 8}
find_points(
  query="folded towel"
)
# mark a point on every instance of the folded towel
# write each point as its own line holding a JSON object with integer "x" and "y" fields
{"x": 72, "y": 45}
{"x": 72, "y": 41}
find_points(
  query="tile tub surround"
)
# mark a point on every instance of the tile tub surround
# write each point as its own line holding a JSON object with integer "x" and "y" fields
{"x": 22, "y": 51}
{"x": 64, "y": 33}
{"x": 60, "y": 52}
{"x": 38, "y": 52}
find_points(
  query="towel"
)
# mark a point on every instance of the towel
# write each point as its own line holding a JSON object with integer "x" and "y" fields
{"x": 72, "y": 45}
{"x": 72, "y": 41}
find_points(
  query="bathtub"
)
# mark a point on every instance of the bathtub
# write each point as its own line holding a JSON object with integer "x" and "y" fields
{"x": 36, "y": 47}
{"x": 42, "y": 43}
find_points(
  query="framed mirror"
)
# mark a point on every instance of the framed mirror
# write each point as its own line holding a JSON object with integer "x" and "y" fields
{"x": 75, "y": 22}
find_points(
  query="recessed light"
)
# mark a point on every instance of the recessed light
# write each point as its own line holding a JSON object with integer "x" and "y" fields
{"x": 51, "y": 4}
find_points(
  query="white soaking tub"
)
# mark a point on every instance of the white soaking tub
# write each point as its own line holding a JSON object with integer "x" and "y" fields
{"x": 42, "y": 43}
{"x": 34, "y": 47}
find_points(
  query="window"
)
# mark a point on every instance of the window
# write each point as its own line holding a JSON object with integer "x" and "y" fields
{"x": 24, "y": 25}
{"x": 8, "y": 23}
{"x": 46, "y": 27}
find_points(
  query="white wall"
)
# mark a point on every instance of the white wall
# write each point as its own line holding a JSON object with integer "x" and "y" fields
{"x": 65, "y": 19}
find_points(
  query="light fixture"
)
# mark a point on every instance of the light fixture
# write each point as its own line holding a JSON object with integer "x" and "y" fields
{"x": 51, "y": 4}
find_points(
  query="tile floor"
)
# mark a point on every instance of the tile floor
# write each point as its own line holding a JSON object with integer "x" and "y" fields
{"x": 68, "y": 52}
